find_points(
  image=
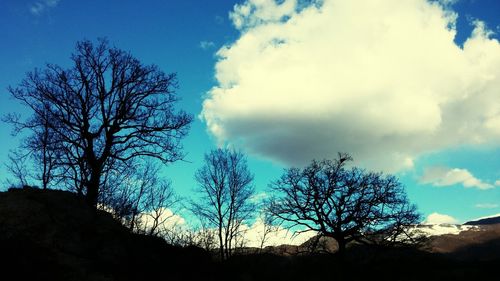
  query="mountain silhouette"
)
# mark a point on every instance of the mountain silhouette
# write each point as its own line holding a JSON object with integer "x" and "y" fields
{"x": 485, "y": 221}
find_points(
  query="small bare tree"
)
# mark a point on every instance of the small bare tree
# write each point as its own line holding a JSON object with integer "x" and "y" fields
{"x": 202, "y": 237}
{"x": 175, "y": 233}
{"x": 43, "y": 148}
{"x": 139, "y": 198}
{"x": 18, "y": 168}
{"x": 268, "y": 228}
{"x": 37, "y": 153}
{"x": 347, "y": 204}
{"x": 225, "y": 185}
{"x": 206, "y": 239}
{"x": 160, "y": 215}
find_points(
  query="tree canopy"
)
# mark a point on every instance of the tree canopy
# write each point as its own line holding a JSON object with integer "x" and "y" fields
{"x": 347, "y": 204}
{"x": 102, "y": 112}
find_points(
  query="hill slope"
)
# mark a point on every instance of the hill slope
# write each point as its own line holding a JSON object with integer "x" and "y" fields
{"x": 54, "y": 235}
{"x": 482, "y": 243}
{"x": 485, "y": 221}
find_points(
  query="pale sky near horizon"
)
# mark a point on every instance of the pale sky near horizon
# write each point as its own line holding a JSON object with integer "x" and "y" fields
{"x": 406, "y": 87}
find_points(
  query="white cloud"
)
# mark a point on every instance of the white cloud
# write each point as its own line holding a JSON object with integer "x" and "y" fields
{"x": 279, "y": 236}
{"x": 497, "y": 183}
{"x": 166, "y": 217}
{"x": 259, "y": 197}
{"x": 382, "y": 80}
{"x": 486, "y": 205}
{"x": 442, "y": 176}
{"x": 437, "y": 218}
{"x": 252, "y": 233}
{"x": 40, "y": 6}
{"x": 256, "y": 12}
{"x": 207, "y": 45}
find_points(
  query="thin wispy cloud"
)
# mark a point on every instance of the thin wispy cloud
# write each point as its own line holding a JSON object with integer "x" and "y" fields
{"x": 382, "y": 80}
{"x": 259, "y": 197}
{"x": 486, "y": 205}
{"x": 443, "y": 176}
{"x": 448, "y": 2}
{"x": 205, "y": 45}
{"x": 42, "y": 6}
{"x": 219, "y": 19}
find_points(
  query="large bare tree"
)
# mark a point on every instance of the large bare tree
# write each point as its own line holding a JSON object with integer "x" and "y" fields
{"x": 347, "y": 204}
{"x": 106, "y": 109}
{"x": 225, "y": 185}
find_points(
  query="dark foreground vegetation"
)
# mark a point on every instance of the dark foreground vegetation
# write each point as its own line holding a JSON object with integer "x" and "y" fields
{"x": 55, "y": 235}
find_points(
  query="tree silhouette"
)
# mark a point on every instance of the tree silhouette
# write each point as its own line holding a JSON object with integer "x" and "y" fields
{"x": 347, "y": 204}
{"x": 225, "y": 185}
{"x": 139, "y": 198}
{"x": 37, "y": 156}
{"x": 103, "y": 111}
{"x": 18, "y": 169}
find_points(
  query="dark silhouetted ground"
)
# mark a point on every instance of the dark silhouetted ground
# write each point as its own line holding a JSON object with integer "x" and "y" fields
{"x": 54, "y": 235}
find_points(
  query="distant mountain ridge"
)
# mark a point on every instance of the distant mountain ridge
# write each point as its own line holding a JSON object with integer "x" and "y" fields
{"x": 485, "y": 221}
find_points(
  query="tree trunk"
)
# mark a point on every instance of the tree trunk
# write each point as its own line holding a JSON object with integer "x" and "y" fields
{"x": 342, "y": 244}
{"x": 342, "y": 272}
{"x": 221, "y": 243}
{"x": 93, "y": 189}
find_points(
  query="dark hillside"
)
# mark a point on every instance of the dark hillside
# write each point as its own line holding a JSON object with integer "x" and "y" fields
{"x": 485, "y": 221}
{"x": 54, "y": 235}
{"x": 362, "y": 263}
{"x": 482, "y": 244}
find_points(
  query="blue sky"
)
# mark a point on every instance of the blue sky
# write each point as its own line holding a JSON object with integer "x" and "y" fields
{"x": 285, "y": 94}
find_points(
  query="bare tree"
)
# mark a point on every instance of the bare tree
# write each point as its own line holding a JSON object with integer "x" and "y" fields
{"x": 159, "y": 213}
{"x": 106, "y": 108}
{"x": 205, "y": 238}
{"x": 37, "y": 153}
{"x": 18, "y": 168}
{"x": 181, "y": 235}
{"x": 175, "y": 233}
{"x": 139, "y": 198}
{"x": 225, "y": 185}
{"x": 42, "y": 146}
{"x": 268, "y": 228}
{"x": 347, "y": 204}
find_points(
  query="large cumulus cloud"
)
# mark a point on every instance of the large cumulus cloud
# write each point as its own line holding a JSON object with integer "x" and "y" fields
{"x": 383, "y": 80}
